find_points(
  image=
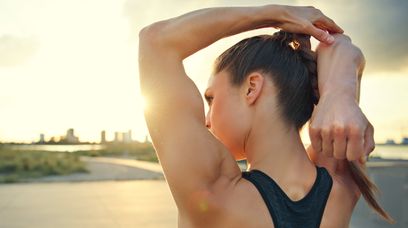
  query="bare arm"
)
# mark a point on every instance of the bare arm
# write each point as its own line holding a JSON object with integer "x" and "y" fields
{"x": 193, "y": 160}
{"x": 339, "y": 76}
{"x": 338, "y": 128}
{"x": 203, "y": 27}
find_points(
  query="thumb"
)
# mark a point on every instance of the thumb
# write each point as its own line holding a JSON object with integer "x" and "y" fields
{"x": 363, "y": 159}
{"x": 369, "y": 143}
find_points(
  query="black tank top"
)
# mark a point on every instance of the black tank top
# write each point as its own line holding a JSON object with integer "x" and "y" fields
{"x": 306, "y": 212}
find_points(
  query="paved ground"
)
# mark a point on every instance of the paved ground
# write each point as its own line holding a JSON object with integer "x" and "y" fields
{"x": 107, "y": 204}
{"x": 148, "y": 203}
{"x": 392, "y": 182}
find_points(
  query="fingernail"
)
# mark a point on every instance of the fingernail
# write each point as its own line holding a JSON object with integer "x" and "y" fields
{"x": 330, "y": 39}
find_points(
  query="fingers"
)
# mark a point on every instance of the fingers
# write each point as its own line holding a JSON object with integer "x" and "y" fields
{"x": 318, "y": 159}
{"x": 320, "y": 34}
{"x": 325, "y": 22}
{"x": 323, "y": 26}
{"x": 315, "y": 139}
{"x": 369, "y": 143}
{"x": 329, "y": 25}
{"x": 340, "y": 143}
{"x": 327, "y": 143}
{"x": 355, "y": 144}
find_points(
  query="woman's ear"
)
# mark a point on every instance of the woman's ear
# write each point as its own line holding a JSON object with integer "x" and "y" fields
{"x": 253, "y": 86}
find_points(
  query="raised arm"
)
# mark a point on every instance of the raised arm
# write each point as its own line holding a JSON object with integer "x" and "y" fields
{"x": 345, "y": 133}
{"x": 193, "y": 160}
{"x": 203, "y": 27}
{"x": 339, "y": 128}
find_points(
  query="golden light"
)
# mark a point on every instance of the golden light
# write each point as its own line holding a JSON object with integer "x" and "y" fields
{"x": 144, "y": 103}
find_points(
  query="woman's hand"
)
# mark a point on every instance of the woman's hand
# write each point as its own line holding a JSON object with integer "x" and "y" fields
{"x": 338, "y": 127}
{"x": 308, "y": 20}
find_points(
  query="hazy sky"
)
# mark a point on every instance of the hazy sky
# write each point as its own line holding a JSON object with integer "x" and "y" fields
{"x": 73, "y": 64}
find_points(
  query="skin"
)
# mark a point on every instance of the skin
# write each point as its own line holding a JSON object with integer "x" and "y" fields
{"x": 198, "y": 152}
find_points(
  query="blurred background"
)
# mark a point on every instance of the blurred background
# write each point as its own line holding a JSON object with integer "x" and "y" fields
{"x": 74, "y": 147}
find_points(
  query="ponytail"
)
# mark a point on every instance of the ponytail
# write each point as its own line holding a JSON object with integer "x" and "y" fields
{"x": 368, "y": 189}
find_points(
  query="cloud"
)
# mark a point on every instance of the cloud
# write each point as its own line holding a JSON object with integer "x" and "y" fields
{"x": 378, "y": 27}
{"x": 385, "y": 34}
{"x": 15, "y": 50}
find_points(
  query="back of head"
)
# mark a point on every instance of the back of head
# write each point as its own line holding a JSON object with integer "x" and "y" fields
{"x": 288, "y": 60}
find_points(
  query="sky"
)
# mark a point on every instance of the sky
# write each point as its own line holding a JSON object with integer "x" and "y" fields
{"x": 73, "y": 64}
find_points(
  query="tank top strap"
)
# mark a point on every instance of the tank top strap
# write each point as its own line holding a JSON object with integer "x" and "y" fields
{"x": 285, "y": 213}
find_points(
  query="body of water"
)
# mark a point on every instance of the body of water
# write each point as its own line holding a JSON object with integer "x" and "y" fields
{"x": 391, "y": 151}
{"x": 58, "y": 148}
{"x": 382, "y": 151}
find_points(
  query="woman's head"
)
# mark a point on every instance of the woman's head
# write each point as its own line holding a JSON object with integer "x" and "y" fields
{"x": 284, "y": 62}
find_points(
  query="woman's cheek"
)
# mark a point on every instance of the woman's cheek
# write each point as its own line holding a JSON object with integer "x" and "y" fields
{"x": 230, "y": 126}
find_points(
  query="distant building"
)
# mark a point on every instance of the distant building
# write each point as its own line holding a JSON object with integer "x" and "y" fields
{"x": 118, "y": 137}
{"x": 404, "y": 141}
{"x": 103, "y": 137}
{"x": 123, "y": 137}
{"x": 127, "y": 136}
{"x": 390, "y": 142}
{"x": 70, "y": 137}
{"x": 42, "y": 138}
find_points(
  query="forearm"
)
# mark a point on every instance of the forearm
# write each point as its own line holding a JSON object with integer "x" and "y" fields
{"x": 341, "y": 82}
{"x": 196, "y": 30}
{"x": 340, "y": 68}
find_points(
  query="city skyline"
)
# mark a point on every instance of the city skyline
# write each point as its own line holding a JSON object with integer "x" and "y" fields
{"x": 71, "y": 138}
{"x": 59, "y": 72}
{"x": 126, "y": 137}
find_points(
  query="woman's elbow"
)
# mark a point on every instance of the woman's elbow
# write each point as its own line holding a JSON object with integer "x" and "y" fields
{"x": 153, "y": 35}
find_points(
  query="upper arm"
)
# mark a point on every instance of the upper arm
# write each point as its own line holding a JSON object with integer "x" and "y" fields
{"x": 190, "y": 155}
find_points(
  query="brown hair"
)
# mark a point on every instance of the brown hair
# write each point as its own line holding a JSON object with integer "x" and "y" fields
{"x": 291, "y": 64}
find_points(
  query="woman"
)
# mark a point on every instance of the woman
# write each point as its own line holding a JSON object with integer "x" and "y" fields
{"x": 252, "y": 116}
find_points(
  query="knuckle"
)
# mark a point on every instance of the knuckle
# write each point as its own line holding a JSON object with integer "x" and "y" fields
{"x": 338, "y": 130}
{"x": 347, "y": 37}
{"x": 326, "y": 132}
{"x": 314, "y": 130}
{"x": 356, "y": 131}
{"x": 306, "y": 26}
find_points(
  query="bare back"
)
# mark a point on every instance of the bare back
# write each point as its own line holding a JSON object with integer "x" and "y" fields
{"x": 238, "y": 203}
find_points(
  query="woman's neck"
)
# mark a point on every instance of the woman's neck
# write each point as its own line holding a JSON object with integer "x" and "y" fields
{"x": 280, "y": 154}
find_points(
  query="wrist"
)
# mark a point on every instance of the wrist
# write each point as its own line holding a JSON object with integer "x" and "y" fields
{"x": 339, "y": 93}
{"x": 341, "y": 87}
{"x": 344, "y": 78}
